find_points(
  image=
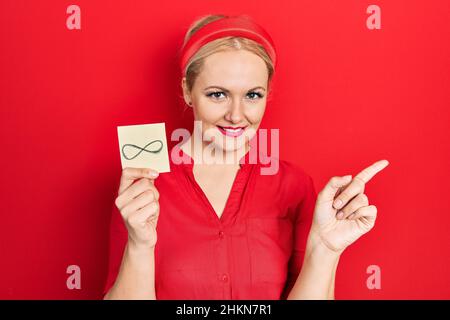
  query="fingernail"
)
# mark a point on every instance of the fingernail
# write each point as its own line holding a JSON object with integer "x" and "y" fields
{"x": 154, "y": 174}
{"x": 337, "y": 203}
{"x": 340, "y": 215}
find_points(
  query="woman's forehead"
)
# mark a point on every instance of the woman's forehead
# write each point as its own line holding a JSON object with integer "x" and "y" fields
{"x": 234, "y": 68}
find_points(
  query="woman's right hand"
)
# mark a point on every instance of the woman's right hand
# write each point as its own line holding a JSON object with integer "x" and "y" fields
{"x": 138, "y": 204}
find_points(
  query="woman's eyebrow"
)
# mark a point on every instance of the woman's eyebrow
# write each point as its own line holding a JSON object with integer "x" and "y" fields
{"x": 226, "y": 90}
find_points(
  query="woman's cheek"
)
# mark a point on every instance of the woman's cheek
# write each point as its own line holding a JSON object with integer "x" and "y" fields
{"x": 255, "y": 118}
{"x": 210, "y": 113}
{"x": 255, "y": 110}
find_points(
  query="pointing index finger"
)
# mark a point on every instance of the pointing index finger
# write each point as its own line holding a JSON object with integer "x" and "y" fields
{"x": 369, "y": 172}
{"x": 358, "y": 183}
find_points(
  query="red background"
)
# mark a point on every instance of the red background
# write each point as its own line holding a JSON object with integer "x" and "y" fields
{"x": 344, "y": 96}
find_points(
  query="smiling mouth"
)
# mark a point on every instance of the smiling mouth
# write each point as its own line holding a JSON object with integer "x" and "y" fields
{"x": 232, "y": 131}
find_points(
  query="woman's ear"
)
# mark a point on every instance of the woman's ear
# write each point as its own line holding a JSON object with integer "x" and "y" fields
{"x": 186, "y": 93}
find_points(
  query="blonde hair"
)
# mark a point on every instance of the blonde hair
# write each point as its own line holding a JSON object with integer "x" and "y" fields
{"x": 195, "y": 64}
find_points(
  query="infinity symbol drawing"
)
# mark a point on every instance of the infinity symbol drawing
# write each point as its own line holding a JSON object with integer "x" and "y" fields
{"x": 141, "y": 149}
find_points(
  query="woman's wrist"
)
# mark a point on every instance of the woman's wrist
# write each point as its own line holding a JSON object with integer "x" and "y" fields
{"x": 316, "y": 277}
{"x": 139, "y": 249}
{"x": 316, "y": 246}
{"x": 140, "y": 257}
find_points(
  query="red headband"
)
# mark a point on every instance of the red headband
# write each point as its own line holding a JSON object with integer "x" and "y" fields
{"x": 238, "y": 26}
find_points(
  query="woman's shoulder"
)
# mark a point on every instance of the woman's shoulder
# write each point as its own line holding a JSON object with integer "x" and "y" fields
{"x": 289, "y": 168}
{"x": 287, "y": 177}
{"x": 286, "y": 170}
{"x": 296, "y": 174}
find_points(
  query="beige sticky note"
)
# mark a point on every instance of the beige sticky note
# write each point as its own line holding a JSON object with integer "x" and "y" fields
{"x": 144, "y": 146}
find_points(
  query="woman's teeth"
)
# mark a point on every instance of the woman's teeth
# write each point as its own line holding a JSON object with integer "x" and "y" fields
{"x": 232, "y": 132}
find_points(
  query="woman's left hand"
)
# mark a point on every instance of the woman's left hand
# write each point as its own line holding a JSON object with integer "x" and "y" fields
{"x": 342, "y": 213}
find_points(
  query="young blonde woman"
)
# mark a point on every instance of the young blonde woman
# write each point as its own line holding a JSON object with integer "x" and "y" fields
{"x": 219, "y": 230}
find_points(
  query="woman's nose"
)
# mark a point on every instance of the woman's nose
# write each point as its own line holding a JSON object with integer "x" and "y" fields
{"x": 235, "y": 113}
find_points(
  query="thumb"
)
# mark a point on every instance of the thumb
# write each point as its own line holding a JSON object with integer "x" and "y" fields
{"x": 331, "y": 188}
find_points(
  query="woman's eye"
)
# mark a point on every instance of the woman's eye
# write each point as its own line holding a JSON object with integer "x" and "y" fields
{"x": 254, "y": 95}
{"x": 218, "y": 95}
{"x": 215, "y": 94}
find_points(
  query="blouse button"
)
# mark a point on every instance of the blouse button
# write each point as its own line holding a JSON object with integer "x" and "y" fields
{"x": 221, "y": 234}
{"x": 224, "y": 278}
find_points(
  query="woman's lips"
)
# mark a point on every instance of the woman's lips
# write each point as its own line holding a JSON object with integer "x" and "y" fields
{"x": 232, "y": 131}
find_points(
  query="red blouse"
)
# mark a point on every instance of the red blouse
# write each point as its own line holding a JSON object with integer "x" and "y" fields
{"x": 253, "y": 251}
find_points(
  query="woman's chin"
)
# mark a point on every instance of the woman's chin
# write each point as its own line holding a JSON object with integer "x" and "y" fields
{"x": 231, "y": 145}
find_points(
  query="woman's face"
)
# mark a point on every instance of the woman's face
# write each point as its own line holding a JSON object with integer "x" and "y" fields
{"x": 229, "y": 97}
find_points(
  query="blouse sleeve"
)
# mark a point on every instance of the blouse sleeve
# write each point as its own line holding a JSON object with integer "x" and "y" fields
{"x": 302, "y": 224}
{"x": 118, "y": 237}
